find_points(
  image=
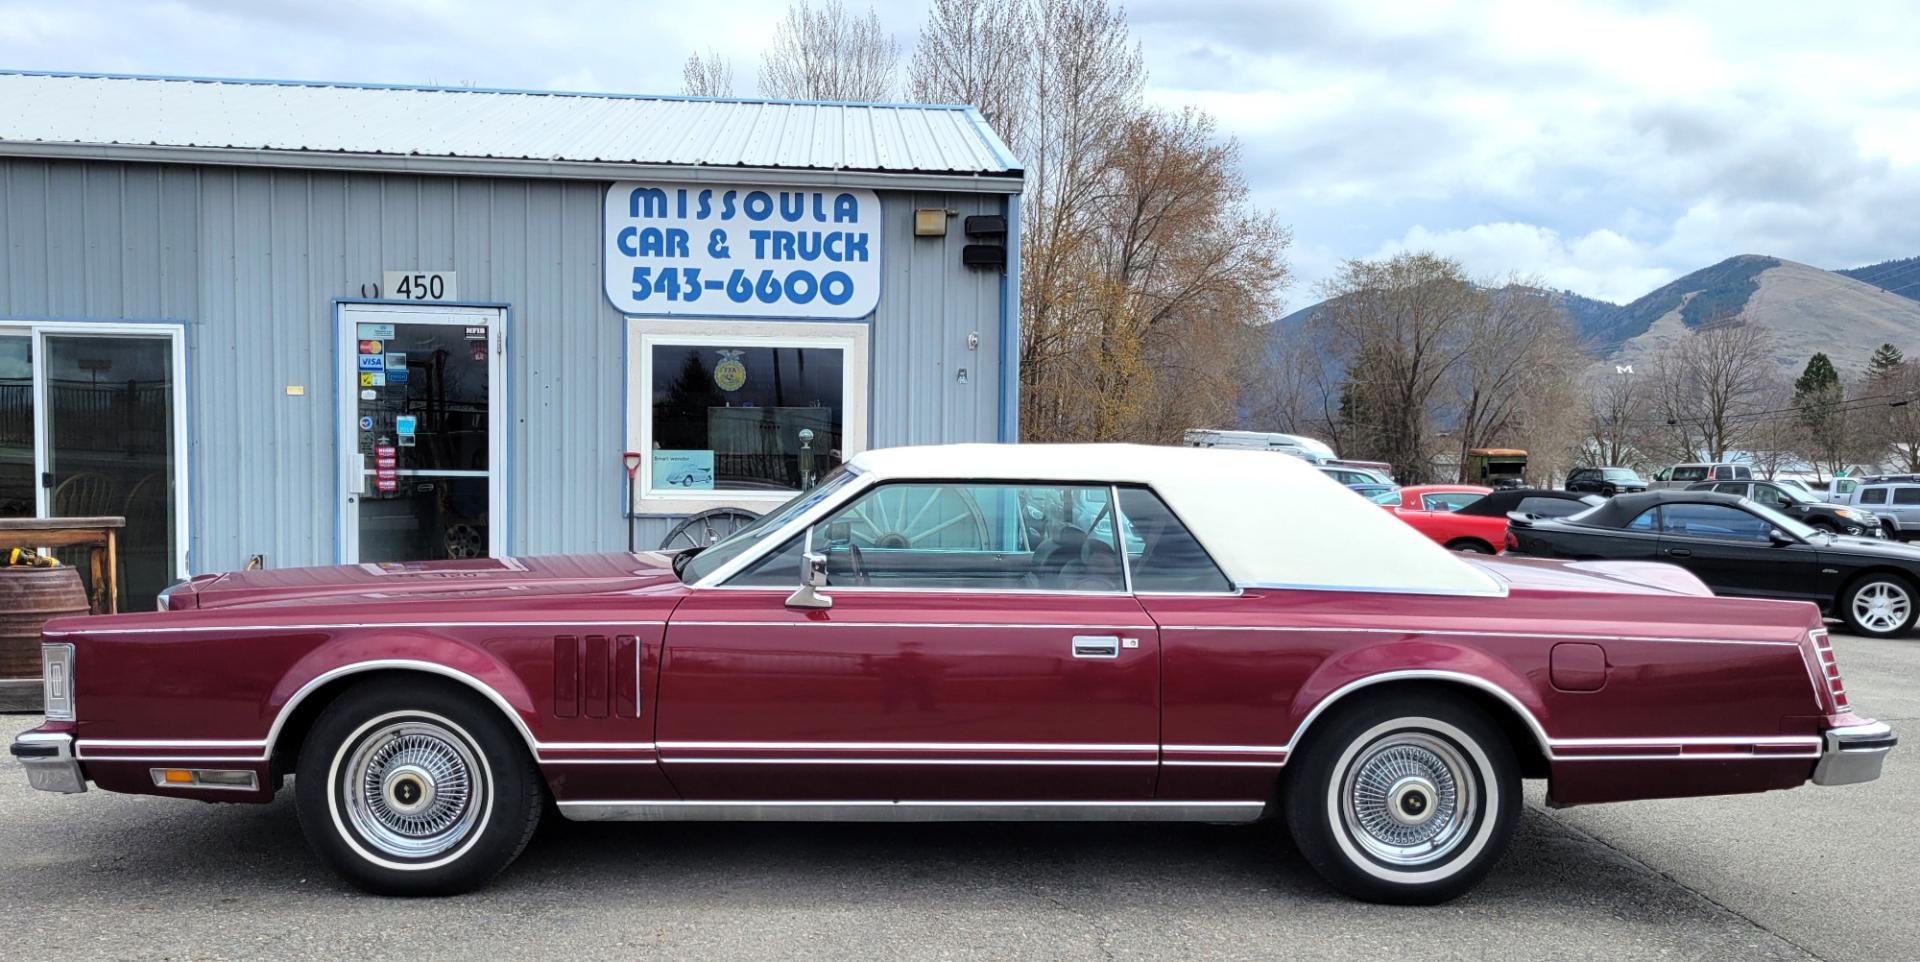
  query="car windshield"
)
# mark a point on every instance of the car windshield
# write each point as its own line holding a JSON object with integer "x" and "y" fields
{"x": 1383, "y": 495}
{"x": 1804, "y": 532}
{"x": 1795, "y": 493}
{"x": 697, "y": 564}
{"x": 1621, "y": 474}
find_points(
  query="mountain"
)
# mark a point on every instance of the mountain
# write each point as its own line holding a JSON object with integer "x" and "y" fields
{"x": 1843, "y": 313}
{"x": 1900, "y": 277}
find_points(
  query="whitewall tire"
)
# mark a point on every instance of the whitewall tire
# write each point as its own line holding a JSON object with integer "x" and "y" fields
{"x": 1408, "y": 799}
{"x": 414, "y": 788}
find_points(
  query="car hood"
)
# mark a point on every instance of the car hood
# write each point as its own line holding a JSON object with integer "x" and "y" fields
{"x": 466, "y": 579}
{"x": 1889, "y": 550}
{"x": 1615, "y": 577}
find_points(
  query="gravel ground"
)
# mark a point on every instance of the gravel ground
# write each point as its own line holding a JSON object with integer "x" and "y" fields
{"x": 1812, "y": 873}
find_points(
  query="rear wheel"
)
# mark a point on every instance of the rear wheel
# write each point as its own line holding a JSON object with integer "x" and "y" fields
{"x": 407, "y": 788}
{"x": 1878, "y": 604}
{"x": 1470, "y": 546}
{"x": 1410, "y": 800}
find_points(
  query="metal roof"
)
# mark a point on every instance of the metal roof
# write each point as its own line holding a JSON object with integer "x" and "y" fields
{"x": 507, "y": 132}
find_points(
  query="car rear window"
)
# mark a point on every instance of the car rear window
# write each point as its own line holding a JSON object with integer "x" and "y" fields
{"x": 1551, "y": 507}
{"x": 1161, "y": 554}
{"x": 1906, "y": 495}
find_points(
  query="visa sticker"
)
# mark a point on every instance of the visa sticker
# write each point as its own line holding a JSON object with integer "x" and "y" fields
{"x": 373, "y": 362}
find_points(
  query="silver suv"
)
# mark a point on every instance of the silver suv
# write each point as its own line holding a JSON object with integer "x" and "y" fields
{"x": 1897, "y": 504}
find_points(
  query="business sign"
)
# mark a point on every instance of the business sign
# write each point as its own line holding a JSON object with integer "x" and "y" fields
{"x": 688, "y": 251}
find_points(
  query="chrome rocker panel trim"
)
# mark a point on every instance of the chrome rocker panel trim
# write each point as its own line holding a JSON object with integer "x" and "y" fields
{"x": 58, "y": 771}
{"x": 879, "y": 811}
{"x": 1854, "y": 754}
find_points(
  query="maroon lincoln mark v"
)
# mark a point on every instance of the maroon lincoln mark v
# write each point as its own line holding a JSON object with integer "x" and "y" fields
{"x": 963, "y": 632}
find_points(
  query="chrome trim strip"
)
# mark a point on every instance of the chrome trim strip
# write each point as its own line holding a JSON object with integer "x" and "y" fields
{"x": 1223, "y": 749}
{"x": 1499, "y": 590}
{"x": 160, "y": 743}
{"x": 169, "y": 629}
{"x": 1539, "y": 732}
{"x": 591, "y": 746}
{"x": 1697, "y": 757}
{"x": 1772, "y": 740}
{"x": 1214, "y": 764}
{"x": 1470, "y": 633}
{"x": 920, "y": 746}
{"x": 911, "y": 811}
{"x": 598, "y": 761}
{"x": 227, "y": 759}
{"x": 1118, "y": 762}
{"x": 988, "y": 625}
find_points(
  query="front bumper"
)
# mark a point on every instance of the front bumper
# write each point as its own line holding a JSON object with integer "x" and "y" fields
{"x": 48, "y": 759}
{"x": 1854, "y": 754}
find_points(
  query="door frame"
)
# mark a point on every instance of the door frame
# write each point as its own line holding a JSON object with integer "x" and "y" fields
{"x": 498, "y": 317}
{"x": 175, "y": 333}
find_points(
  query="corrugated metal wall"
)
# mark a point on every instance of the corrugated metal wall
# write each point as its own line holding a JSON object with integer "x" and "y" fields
{"x": 253, "y": 259}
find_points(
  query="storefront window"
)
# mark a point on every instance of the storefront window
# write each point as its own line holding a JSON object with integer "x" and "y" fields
{"x": 746, "y": 417}
{"x": 749, "y": 417}
{"x": 16, "y": 426}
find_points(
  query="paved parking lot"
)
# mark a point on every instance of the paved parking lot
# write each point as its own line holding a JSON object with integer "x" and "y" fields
{"x": 1812, "y": 873}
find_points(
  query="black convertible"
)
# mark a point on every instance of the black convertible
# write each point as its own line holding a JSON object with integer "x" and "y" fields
{"x": 1742, "y": 548}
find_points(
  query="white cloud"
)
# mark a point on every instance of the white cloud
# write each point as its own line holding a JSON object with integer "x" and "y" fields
{"x": 1600, "y": 263}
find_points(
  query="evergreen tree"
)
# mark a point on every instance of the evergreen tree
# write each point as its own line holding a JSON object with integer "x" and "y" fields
{"x": 1885, "y": 362}
{"x": 1818, "y": 378}
{"x": 1820, "y": 403}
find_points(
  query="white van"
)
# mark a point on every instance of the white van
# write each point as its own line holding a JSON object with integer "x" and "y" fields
{"x": 1300, "y": 447}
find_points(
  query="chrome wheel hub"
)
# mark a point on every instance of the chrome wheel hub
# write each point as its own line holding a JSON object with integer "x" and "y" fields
{"x": 1408, "y": 799}
{"x": 413, "y": 788}
{"x": 1881, "y": 606}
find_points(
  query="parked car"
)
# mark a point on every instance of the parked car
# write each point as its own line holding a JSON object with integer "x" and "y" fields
{"x": 1742, "y": 548}
{"x": 1480, "y": 525}
{"x": 1352, "y": 476}
{"x": 895, "y": 645}
{"x": 1797, "y": 504}
{"x": 1681, "y": 475}
{"x": 1606, "y": 482}
{"x": 1440, "y": 497}
{"x": 1381, "y": 468}
{"x": 1896, "y": 503}
{"x": 1387, "y": 494}
{"x": 1795, "y": 483}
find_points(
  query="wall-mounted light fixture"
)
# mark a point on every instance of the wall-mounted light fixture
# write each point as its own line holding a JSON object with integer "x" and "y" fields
{"x": 930, "y": 222}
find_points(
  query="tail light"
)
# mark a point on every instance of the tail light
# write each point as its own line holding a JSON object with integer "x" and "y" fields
{"x": 1830, "y": 671}
{"x": 1513, "y": 542}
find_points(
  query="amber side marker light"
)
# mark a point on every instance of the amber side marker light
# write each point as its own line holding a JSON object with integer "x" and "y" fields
{"x": 205, "y": 778}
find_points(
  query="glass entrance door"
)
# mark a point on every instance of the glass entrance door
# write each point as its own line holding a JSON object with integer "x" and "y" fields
{"x": 17, "y": 496}
{"x": 421, "y": 430}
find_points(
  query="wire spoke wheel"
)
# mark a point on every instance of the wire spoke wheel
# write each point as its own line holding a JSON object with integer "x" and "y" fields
{"x": 413, "y": 788}
{"x": 1408, "y": 799}
{"x": 1882, "y": 606}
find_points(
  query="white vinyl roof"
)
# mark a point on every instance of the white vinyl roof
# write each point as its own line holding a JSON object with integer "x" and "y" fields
{"x": 427, "y": 128}
{"x": 1268, "y": 519}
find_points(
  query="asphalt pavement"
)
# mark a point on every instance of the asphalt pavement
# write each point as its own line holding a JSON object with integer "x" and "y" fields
{"x": 1811, "y": 873}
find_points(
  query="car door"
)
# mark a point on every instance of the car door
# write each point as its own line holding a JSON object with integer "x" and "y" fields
{"x": 980, "y": 646}
{"x": 1904, "y": 502}
{"x": 1731, "y": 550}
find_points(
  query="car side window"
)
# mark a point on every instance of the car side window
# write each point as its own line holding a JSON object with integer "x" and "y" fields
{"x": 1166, "y": 556}
{"x": 1718, "y": 521}
{"x": 1906, "y": 495}
{"x": 986, "y": 537}
{"x": 1648, "y": 520}
{"x": 1741, "y": 471}
{"x": 1691, "y": 473}
{"x": 1731, "y": 487}
{"x": 1771, "y": 496}
{"x": 1449, "y": 500}
{"x": 1873, "y": 495}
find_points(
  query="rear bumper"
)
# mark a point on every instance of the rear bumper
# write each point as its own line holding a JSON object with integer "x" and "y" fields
{"x": 1854, "y": 754}
{"x": 48, "y": 759}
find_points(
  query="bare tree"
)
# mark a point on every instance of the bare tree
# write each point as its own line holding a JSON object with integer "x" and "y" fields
{"x": 1708, "y": 387}
{"x": 977, "y": 52}
{"x": 1615, "y": 412}
{"x": 1520, "y": 351}
{"x": 824, "y": 53}
{"x": 1401, "y": 326}
{"x": 707, "y": 76}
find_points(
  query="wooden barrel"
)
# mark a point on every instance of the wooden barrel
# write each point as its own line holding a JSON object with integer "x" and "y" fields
{"x": 29, "y": 598}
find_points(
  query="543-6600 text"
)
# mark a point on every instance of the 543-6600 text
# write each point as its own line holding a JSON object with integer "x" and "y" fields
{"x": 769, "y": 287}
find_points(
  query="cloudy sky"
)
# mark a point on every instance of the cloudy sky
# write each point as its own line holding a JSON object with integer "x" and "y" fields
{"x": 1604, "y": 147}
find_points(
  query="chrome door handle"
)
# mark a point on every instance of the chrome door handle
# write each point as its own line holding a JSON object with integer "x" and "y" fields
{"x": 1096, "y": 646}
{"x": 1679, "y": 552}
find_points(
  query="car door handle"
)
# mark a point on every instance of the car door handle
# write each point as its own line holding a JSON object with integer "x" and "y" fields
{"x": 1097, "y": 646}
{"x": 1679, "y": 552}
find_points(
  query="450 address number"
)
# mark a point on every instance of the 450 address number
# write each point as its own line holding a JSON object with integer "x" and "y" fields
{"x": 770, "y": 287}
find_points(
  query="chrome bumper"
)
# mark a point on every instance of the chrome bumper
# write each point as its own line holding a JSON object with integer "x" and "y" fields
{"x": 1854, "y": 754}
{"x": 48, "y": 759}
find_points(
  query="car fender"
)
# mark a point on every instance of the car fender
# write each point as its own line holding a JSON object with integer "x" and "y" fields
{"x": 410, "y": 649}
{"x": 1353, "y": 672}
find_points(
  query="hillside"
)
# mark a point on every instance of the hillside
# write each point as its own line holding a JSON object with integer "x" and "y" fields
{"x": 1900, "y": 277}
{"x": 1844, "y": 313}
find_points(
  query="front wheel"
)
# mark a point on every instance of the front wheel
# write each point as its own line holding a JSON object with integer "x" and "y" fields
{"x": 414, "y": 788}
{"x": 1879, "y": 605}
{"x": 1409, "y": 800}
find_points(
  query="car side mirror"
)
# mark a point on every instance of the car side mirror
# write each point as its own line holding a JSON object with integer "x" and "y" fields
{"x": 813, "y": 577}
{"x": 1778, "y": 537}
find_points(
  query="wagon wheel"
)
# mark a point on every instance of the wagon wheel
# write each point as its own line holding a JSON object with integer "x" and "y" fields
{"x": 917, "y": 516}
{"x": 706, "y": 528}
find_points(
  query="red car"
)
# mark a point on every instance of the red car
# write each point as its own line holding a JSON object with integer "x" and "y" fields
{"x": 965, "y": 632}
{"x": 1465, "y": 517}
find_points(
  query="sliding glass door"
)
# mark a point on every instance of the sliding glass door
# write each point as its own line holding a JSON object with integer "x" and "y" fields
{"x": 90, "y": 423}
